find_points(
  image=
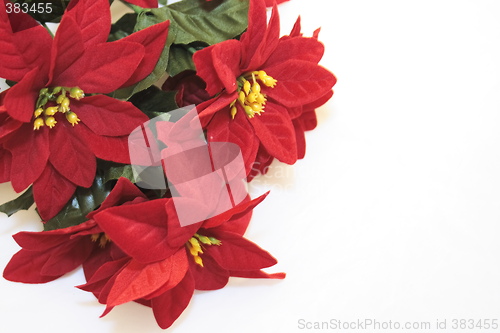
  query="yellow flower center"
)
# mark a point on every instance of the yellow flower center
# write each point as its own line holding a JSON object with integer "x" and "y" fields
{"x": 250, "y": 97}
{"x": 53, "y": 100}
{"x": 102, "y": 238}
{"x": 195, "y": 246}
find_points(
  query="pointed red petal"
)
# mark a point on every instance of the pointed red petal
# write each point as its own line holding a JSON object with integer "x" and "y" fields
{"x": 25, "y": 266}
{"x": 251, "y": 39}
{"x": 238, "y": 130}
{"x": 299, "y": 82}
{"x": 144, "y": 3}
{"x": 238, "y": 253}
{"x": 207, "y": 109}
{"x": 153, "y": 39}
{"x": 70, "y": 156}
{"x": 123, "y": 191}
{"x": 20, "y": 99}
{"x": 5, "y": 163}
{"x": 140, "y": 230}
{"x": 137, "y": 280}
{"x": 218, "y": 66}
{"x": 93, "y": 19}
{"x": 108, "y": 116}
{"x": 67, "y": 49}
{"x": 209, "y": 277}
{"x": 300, "y": 139}
{"x": 299, "y": 48}
{"x": 51, "y": 192}
{"x": 266, "y": 47}
{"x": 30, "y": 153}
{"x": 105, "y": 147}
{"x": 102, "y": 275}
{"x": 44, "y": 241}
{"x": 169, "y": 306}
{"x": 257, "y": 275}
{"x": 102, "y": 68}
{"x": 270, "y": 3}
{"x": 23, "y": 50}
{"x": 276, "y": 133}
{"x": 67, "y": 257}
{"x": 296, "y": 30}
{"x": 242, "y": 208}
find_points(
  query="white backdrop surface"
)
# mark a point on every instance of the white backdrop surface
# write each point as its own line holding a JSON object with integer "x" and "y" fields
{"x": 394, "y": 214}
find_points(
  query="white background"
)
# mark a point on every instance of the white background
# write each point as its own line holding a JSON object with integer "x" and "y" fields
{"x": 393, "y": 215}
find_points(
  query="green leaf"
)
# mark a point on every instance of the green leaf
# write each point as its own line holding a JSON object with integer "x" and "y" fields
{"x": 123, "y": 27}
{"x": 194, "y": 21}
{"x": 84, "y": 201}
{"x": 22, "y": 202}
{"x": 154, "y": 101}
{"x": 181, "y": 59}
{"x": 113, "y": 171}
{"x": 207, "y": 22}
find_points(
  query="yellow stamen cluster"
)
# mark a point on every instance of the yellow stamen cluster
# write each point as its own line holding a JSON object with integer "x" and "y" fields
{"x": 102, "y": 238}
{"x": 250, "y": 97}
{"x": 195, "y": 244}
{"x": 53, "y": 100}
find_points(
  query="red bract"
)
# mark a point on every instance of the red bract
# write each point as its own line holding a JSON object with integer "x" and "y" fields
{"x": 47, "y": 255}
{"x": 52, "y": 131}
{"x": 261, "y": 83}
{"x": 144, "y": 3}
{"x": 165, "y": 262}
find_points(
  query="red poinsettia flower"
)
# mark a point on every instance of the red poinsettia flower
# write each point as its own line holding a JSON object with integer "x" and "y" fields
{"x": 48, "y": 255}
{"x": 261, "y": 83}
{"x": 167, "y": 262}
{"x": 53, "y": 131}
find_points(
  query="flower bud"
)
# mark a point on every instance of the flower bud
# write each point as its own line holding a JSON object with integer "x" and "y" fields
{"x": 38, "y": 123}
{"x": 50, "y": 121}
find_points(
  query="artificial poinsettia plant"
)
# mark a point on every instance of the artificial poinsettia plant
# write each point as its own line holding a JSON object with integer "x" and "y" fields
{"x": 77, "y": 95}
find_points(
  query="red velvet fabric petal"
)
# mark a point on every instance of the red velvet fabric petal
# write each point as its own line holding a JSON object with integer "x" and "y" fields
{"x": 169, "y": 306}
{"x": 23, "y": 50}
{"x": 238, "y": 130}
{"x": 123, "y": 191}
{"x": 207, "y": 109}
{"x": 300, "y": 139}
{"x": 251, "y": 39}
{"x": 108, "y": 116}
{"x": 93, "y": 19}
{"x": 106, "y": 67}
{"x": 51, "y": 192}
{"x": 153, "y": 39}
{"x": 137, "y": 280}
{"x": 67, "y": 49}
{"x": 300, "y": 82}
{"x": 179, "y": 270}
{"x": 25, "y": 267}
{"x": 20, "y": 99}
{"x": 5, "y": 163}
{"x": 242, "y": 208}
{"x": 144, "y": 3}
{"x": 257, "y": 275}
{"x": 46, "y": 240}
{"x": 102, "y": 275}
{"x": 270, "y": 3}
{"x": 30, "y": 153}
{"x": 209, "y": 277}
{"x": 67, "y": 257}
{"x": 299, "y": 48}
{"x": 276, "y": 133}
{"x": 139, "y": 230}
{"x": 254, "y": 58}
{"x": 105, "y": 147}
{"x": 70, "y": 156}
{"x": 238, "y": 253}
{"x": 218, "y": 65}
